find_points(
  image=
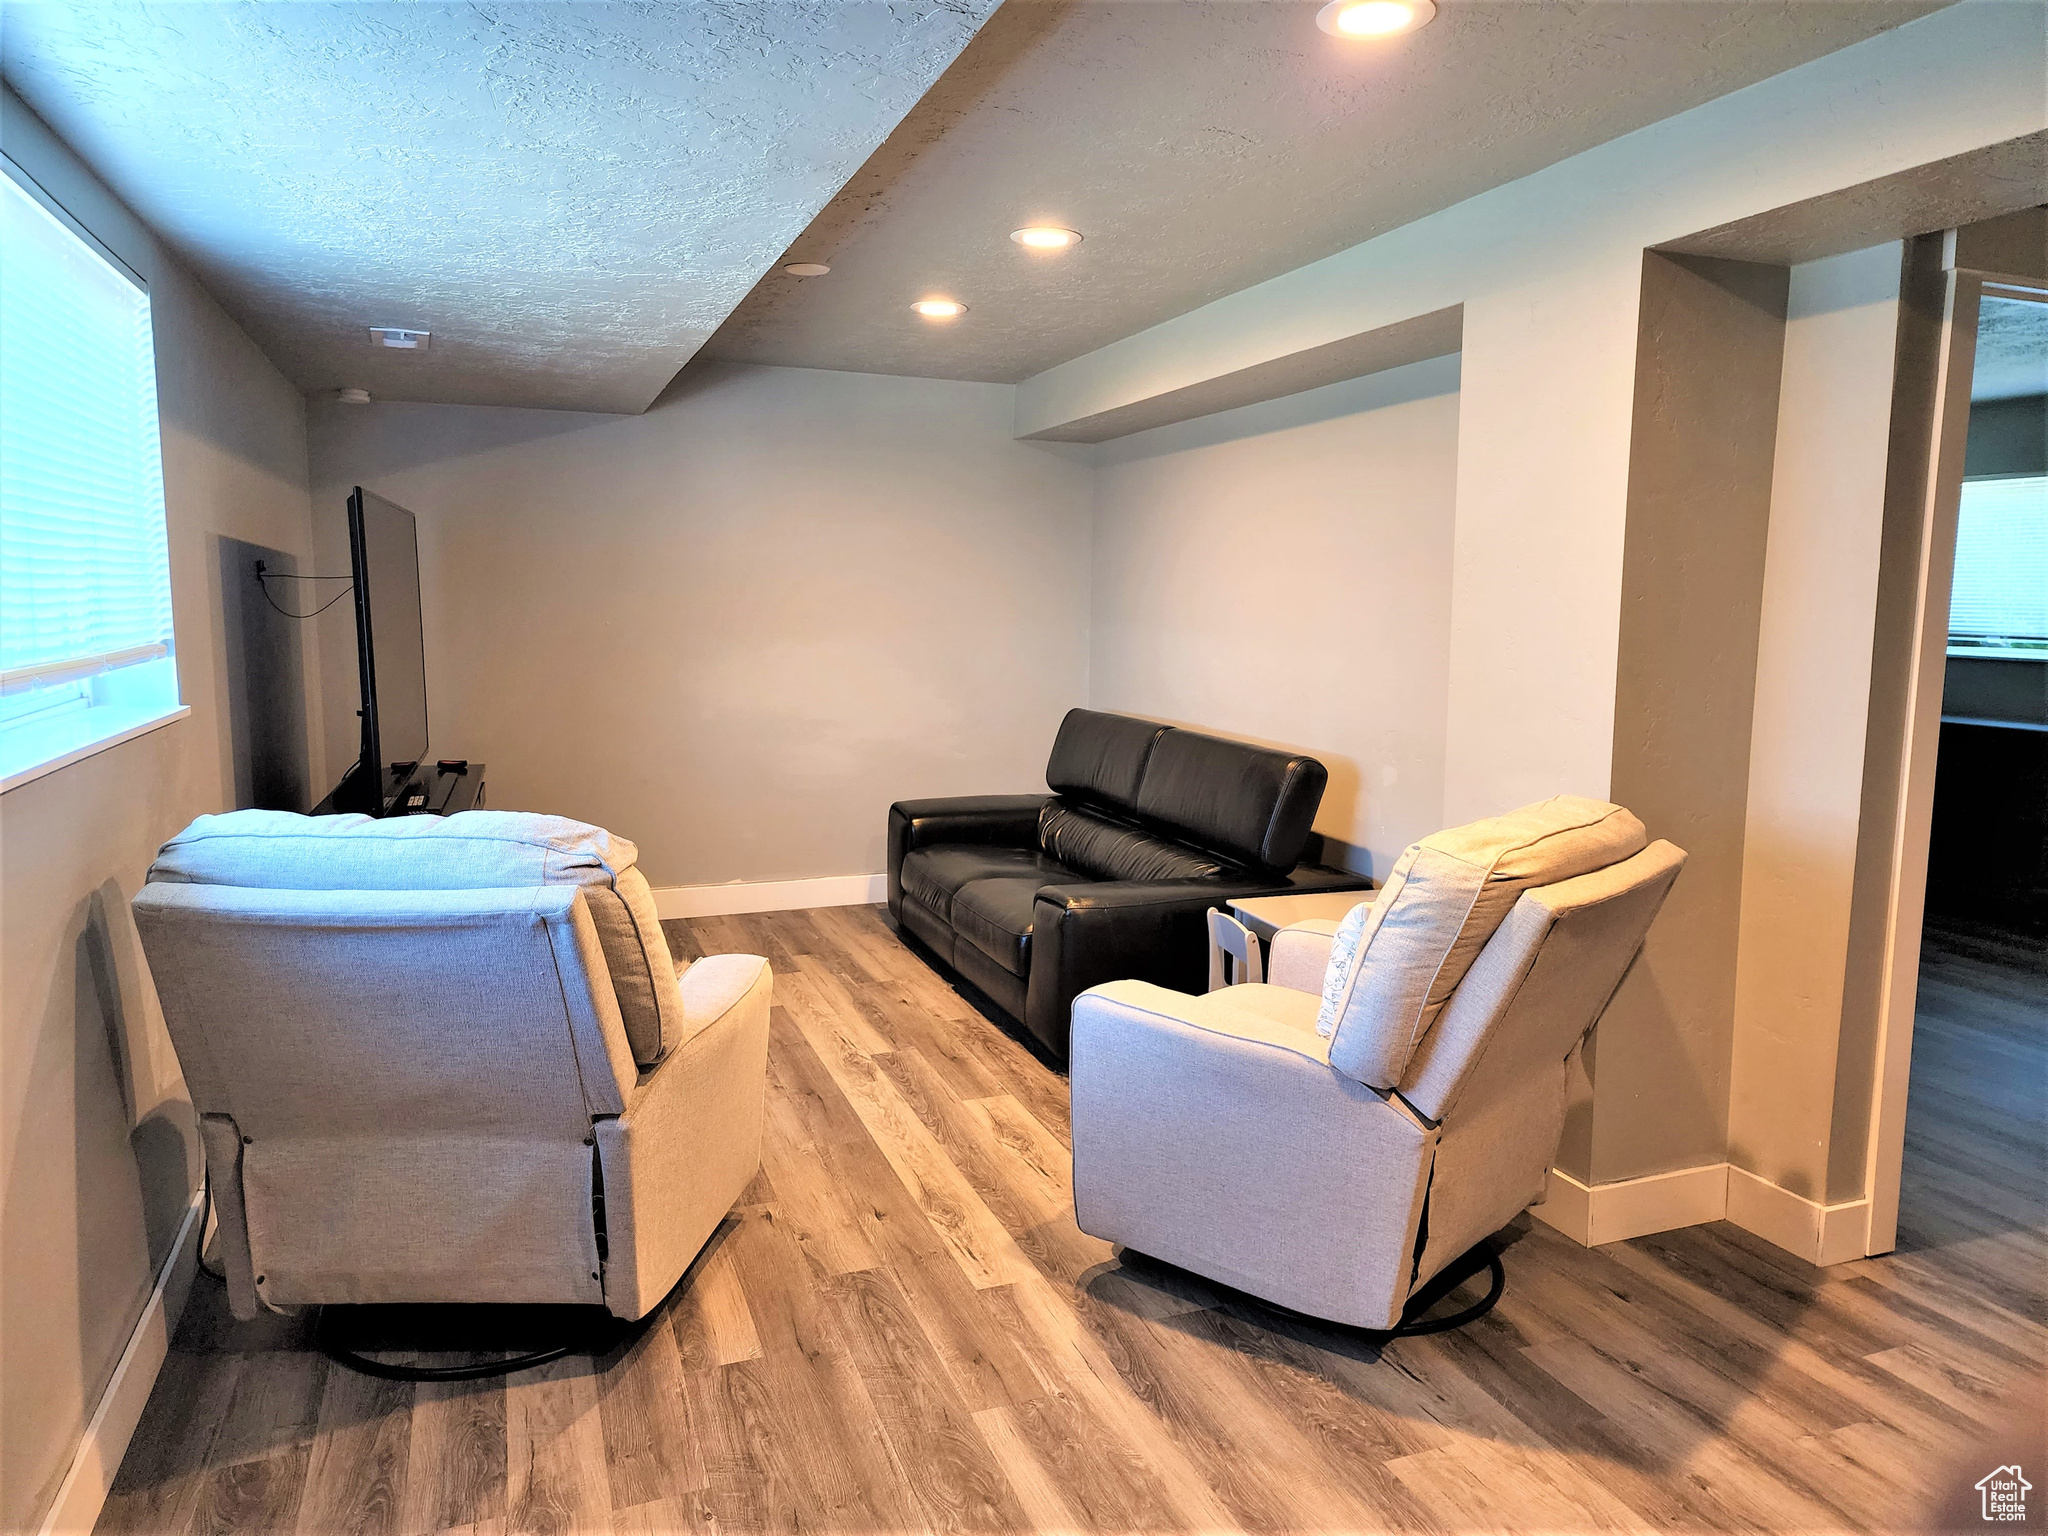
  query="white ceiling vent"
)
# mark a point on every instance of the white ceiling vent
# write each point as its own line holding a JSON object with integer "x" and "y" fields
{"x": 392, "y": 336}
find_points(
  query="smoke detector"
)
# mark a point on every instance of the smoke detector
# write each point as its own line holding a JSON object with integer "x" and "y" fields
{"x": 352, "y": 396}
{"x": 396, "y": 336}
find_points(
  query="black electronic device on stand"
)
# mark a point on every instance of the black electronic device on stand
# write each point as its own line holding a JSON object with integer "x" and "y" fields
{"x": 392, "y": 775}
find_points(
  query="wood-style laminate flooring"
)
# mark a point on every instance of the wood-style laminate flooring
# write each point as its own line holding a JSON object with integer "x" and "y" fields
{"x": 900, "y": 1328}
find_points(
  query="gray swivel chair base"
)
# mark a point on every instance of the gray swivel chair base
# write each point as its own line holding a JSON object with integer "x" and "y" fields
{"x": 587, "y": 1331}
{"x": 1414, "y": 1317}
{"x": 478, "y": 1370}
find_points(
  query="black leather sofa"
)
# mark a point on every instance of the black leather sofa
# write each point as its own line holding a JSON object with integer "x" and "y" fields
{"x": 1036, "y": 898}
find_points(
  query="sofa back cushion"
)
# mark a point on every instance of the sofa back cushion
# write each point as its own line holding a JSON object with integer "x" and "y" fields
{"x": 473, "y": 850}
{"x": 1253, "y": 805}
{"x": 1396, "y": 962}
{"x": 1246, "y": 805}
{"x": 1112, "y": 850}
{"x": 1100, "y": 759}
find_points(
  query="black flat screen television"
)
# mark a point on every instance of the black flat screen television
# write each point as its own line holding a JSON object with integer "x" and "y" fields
{"x": 384, "y": 556}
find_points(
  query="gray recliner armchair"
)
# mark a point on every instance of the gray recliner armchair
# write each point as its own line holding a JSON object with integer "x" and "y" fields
{"x": 450, "y": 1060}
{"x": 1334, "y": 1139}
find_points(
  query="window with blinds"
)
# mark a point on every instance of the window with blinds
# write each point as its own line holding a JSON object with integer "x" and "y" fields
{"x": 86, "y": 648}
{"x": 1999, "y": 604}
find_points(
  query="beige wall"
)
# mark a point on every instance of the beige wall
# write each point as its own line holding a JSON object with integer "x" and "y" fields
{"x": 1812, "y": 708}
{"x": 736, "y": 628}
{"x": 1547, "y": 389}
{"x": 90, "y": 1191}
{"x": 1283, "y": 573}
{"x": 1709, "y": 343}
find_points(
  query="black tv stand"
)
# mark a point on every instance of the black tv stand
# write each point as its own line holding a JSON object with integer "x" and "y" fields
{"x": 408, "y": 789}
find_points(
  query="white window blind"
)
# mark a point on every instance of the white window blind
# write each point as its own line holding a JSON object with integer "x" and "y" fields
{"x": 1999, "y": 604}
{"x": 85, "y": 595}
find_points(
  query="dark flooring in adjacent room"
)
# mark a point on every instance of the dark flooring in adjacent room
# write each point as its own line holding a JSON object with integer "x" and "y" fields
{"x": 902, "y": 1329}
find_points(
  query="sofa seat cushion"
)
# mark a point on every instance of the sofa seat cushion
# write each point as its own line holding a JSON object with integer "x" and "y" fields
{"x": 933, "y": 876}
{"x": 474, "y": 850}
{"x": 995, "y": 917}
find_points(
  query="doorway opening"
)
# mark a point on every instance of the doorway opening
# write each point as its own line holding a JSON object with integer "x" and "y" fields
{"x": 1962, "y": 1098}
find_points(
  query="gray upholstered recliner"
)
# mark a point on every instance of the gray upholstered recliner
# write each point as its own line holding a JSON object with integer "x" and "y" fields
{"x": 1331, "y": 1140}
{"x": 449, "y": 1059}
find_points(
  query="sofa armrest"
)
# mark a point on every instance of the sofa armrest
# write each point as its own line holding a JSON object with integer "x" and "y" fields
{"x": 1003, "y": 821}
{"x": 1299, "y": 955}
{"x": 1114, "y": 930}
{"x": 689, "y": 1141}
{"x": 711, "y": 988}
{"x": 1224, "y": 1013}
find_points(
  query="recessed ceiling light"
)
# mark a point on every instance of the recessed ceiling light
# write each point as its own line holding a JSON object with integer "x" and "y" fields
{"x": 807, "y": 269}
{"x": 1374, "y": 18}
{"x": 1045, "y": 237}
{"x": 940, "y": 309}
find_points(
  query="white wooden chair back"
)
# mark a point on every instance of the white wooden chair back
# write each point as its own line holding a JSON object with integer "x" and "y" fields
{"x": 1229, "y": 937}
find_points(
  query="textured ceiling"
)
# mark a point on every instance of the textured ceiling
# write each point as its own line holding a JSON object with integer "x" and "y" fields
{"x": 570, "y": 196}
{"x": 1202, "y": 147}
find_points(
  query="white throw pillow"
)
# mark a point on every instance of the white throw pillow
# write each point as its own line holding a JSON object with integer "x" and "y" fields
{"x": 1344, "y": 947}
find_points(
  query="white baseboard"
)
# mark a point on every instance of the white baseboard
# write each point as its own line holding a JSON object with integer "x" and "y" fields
{"x": 1567, "y": 1206}
{"x": 1819, "y": 1234}
{"x": 83, "y": 1493}
{"x": 1609, "y": 1213}
{"x": 769, "y": 895}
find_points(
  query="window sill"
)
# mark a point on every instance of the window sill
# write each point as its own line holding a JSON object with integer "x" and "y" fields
{"x": 154, "y": 720}
{"x": 1988, "y": 653}
{"x": 1996, "y": 722}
